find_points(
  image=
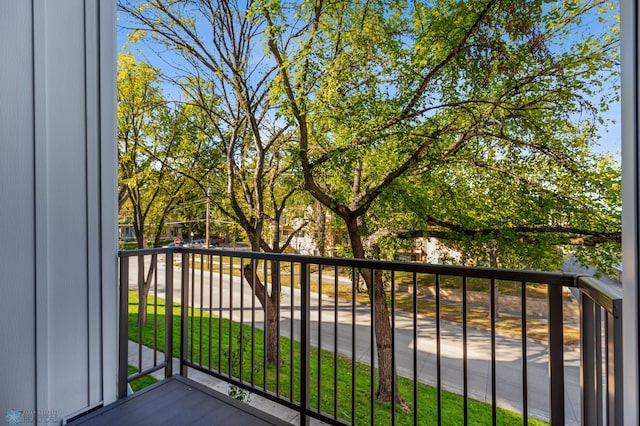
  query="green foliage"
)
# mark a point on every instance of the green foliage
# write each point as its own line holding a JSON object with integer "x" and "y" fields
{"x": 157, "y": 144}
{"x": 234, "y": 358}
{"x": 473, "y": 122}
{"x": 470, "y": 121}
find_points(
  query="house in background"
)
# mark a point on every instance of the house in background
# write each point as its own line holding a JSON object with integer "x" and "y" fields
{"x": 125, "y": 232}
{"x": 171, "y": 231}
{"x": 58, "y": 310}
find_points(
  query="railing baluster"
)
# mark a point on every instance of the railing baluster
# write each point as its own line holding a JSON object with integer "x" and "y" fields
{"x": 141, "y": 304}
{"x": 393, "y": 348}
{"x": 253, "y": 326}
{"x": 168, "y": 315}
{"x": 154, "y": 262}
{"x": 614, "y": 365}
{"x": 372, "y": 338}
{"x": 230, "y": 349}
{"x": 415, "y": 349}
{"x": 291, "y": 330}
{"x": 319, "y": 352}
{"x": 438, "y": 351}
{"x": 201, "y": 307}
{"x": 335, "y": 342}
{"x": 241, "y": 341}
{"x": 210, "y": 339}
{"x": 556, "y": 355}
{"x": 354, "y": 283}
{"x": 266, "y": 326}
{"x": 492, "y": 311}
{"x": 305, "y": 346}
{"x": 220, "y": 317}
{"x": 192, "y": 307}
{"x": 184, "y": 314}
{"x": 525, "y": 384}
{"x": 277, "y": 287}
{"x": 598, "y": 330}
{"x": 123, "y": 327}
{"x": 465, "y": 364}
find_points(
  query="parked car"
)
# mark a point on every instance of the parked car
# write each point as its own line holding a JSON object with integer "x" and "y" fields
{"x": 197, "y": 243}
{"x": 173, "y": 245}
{"x": 201, "y": 243}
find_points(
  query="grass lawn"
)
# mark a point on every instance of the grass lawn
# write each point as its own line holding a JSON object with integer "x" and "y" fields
{"x": 324, "y": 372}
{"x": 142, "y": 382}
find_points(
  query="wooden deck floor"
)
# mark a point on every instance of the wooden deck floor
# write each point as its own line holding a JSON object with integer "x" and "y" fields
{"x": 177, "y": 401}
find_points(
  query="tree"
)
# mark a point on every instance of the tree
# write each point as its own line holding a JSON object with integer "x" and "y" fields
{"x": 223, "y": 74}
{"x": 447, "y": 118}
{"x": 147, "y": 131}
{"x": 153, "y": 141}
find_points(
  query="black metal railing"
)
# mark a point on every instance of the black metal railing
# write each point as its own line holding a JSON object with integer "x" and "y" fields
{"x": 458, "y": 336}
{"x": 601, "y": 352}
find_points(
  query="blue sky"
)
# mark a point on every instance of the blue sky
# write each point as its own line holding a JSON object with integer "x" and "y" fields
{"x": 610, "y": 138}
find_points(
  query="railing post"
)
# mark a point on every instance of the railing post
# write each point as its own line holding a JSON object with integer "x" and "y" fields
{"x": 123, "y": 328}
{"x": 587, "y": 361}
{"x": 556, "y": 355}
{"x": 614, "y": 363}
{"x": 305, "y": 301}
{"x": 168, "y": 315}
{"x": 184, "y": 314}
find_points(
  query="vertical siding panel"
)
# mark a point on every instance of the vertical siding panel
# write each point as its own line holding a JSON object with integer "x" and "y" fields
{"x": 40, "y": 170}
{"x": 108, "y": 190}
{"x": 94, "y": 324}
{"x": 630, "y": 52}
{"x": 66, "y": 182}
{"x": 17, "y": 318}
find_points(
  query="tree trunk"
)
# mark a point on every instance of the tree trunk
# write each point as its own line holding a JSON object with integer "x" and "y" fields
{"x": 382, "y": 325}
{"x": 386, "y": 368}
{"x": 270, "y": 304}
{"x": 320, "y": 233}
{"x": 272, "y": 353}
{"x": 143, "y": 290}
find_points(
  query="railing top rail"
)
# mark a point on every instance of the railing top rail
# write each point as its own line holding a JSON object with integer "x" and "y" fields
{"x": 143, "y": 252}
{"x": 550, "y": 278}
{"x": 603, "y": 294}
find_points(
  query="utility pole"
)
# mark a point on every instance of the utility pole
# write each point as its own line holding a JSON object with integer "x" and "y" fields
{"x": 208, "y": 214}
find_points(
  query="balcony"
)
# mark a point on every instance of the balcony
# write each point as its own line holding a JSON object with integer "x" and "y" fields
{"x": 469, "y": 345}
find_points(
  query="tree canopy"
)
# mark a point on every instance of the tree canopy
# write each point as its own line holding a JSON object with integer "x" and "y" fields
{"x": 472, "y": 122}
{"x": 466, "y": 121}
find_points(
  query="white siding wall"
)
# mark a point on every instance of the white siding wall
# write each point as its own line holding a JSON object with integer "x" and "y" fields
{"x": 57, "y": 205}
{"x": 630, "y": 210}
{"x": 17, "y": 274}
